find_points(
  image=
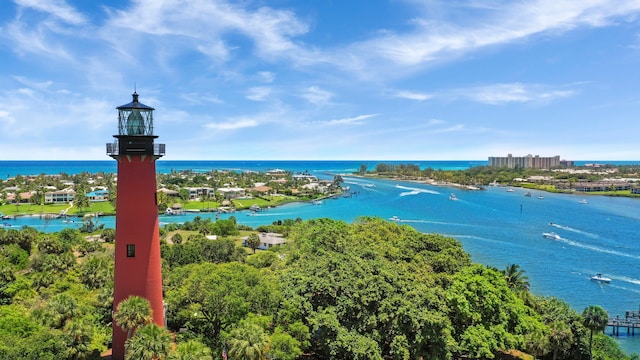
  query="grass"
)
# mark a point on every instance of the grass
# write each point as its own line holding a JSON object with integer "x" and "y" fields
{"x": 237, "y": 239}
{"x": 264, "y": 202}
{"x": 30, "y": 209}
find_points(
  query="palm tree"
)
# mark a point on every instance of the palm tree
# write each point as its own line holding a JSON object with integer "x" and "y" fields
{"x": 248, "y": 342}
{"x": 191, "y": 350}
{"x": 561, "y": 337}
{"x": 150, "y": 342}
{"x": 253, "y": 241}
{"x": 594, "y": 318}
{"x": 516, "y": 279}
{"x": 132, "y": 313}
{"x": 536, "y": 342}
{"x": 78, "y": 339}
{"x": 61, "y": 309}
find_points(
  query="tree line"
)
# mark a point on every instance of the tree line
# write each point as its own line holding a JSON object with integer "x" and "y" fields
{"x": 371, "y": 289}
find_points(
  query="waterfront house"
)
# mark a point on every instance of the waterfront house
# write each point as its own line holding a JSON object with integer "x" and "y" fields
{"x": 232, "y": 192}
{"x": 98, "y": 195}
{"x": 267, "y": 240}
{"x": 169, "y": 192}
{"x": 196, "y": 193}
{"x": 60, "y": 196}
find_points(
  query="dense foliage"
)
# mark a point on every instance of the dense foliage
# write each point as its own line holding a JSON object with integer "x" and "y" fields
{"x": 485, "y": 175}
{"x": 368, "y": 290}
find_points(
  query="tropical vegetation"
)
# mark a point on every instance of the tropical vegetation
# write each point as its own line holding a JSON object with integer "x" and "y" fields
{"x": 368, "y": 290}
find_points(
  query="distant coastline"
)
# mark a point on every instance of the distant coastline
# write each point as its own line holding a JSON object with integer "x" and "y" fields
{"x": 9, "y": 168}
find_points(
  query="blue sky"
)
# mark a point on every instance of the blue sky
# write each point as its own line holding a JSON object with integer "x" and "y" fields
{"x": 324, "y": 79}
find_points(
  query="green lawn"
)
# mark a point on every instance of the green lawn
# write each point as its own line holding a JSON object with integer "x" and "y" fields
{"x": 264, "y": 201}
{"x": 27, "y": 209}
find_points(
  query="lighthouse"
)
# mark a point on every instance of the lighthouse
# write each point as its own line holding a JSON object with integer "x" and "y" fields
{"x": 137, "y": 244}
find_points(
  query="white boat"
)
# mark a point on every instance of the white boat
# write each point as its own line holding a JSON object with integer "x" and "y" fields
{"x": 541, "y": 197}
{"x": 600, "y": 278}
{"x": 509, "y": 190}
{"x": 551, "y": 235}
{"x": 453, "y": 197}
{"x": 317, "y": 202}
{"x": 528, "y": 194}
{"x": 394, "y": 218}
{"x": 583, "y": 201}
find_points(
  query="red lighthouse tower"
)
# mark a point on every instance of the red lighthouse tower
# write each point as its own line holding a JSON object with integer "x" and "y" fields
{"x": 137, "y": 253}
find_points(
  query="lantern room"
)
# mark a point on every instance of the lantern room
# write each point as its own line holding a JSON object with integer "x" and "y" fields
{"x": 135, "y": 131}
{"x": 135, "y": 118}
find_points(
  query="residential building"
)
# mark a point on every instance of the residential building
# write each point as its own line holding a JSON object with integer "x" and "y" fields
{"x": 524, "y": 162}
{"x": 60, "y": 196}
{"x": 267, "y": 240}
{"x": 232, "y": 192}
{"x": 199, "y": 192}
{"x": 98, "y": 195}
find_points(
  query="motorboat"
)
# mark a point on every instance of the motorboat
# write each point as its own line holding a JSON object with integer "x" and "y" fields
{"x": 453, "y": 197}
{"x": 394, "y": 218}
{"x": 551, "y": 236}
{"x": 317, "y": 202}
{"x": 509, "y": 190}
{"x": 583, "y": 201}
{"x": 600, "y": 278}
{"x": 528, "y": 194}
{"x": 541, "y": 197}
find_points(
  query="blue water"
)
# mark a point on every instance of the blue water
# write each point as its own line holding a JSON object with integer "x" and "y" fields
{"x": 495, "y": 226}
{"x": 12, "y": 168}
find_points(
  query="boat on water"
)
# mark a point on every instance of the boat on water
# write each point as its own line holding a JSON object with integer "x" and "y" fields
{"x": 453, "y": 197}
{"x": 510, "y": 190}
{"x": 541, "y": 197}
{"x": 528, "y": 194}
{"x": 551, "y": 235}
{"x": 583, "y": 201}
{"x": 394, "y": 218}
{"x": 600, "y": 278}
{"x": 317, "y": 202}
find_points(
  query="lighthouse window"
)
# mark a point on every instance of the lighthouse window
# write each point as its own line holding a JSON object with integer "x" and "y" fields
{"x": 131, "y": 250}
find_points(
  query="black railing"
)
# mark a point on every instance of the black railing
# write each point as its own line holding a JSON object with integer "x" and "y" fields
{"x": 116, "y": 149}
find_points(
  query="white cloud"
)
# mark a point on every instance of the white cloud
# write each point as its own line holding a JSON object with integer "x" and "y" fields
{"x": 411, "y": 95}
{"x": 34, "y": 84}
{"x": 435, "y": 39}
{"x": 317, "y": 96}
{"x": 514, "y": 92}
{"x": 356, "y": 120}
{"x": 233, "y": 124}
{"x": 207, "y": 23}
{"x": 258, "y": 93}
{"x": 27, "y": 40}
{"x": 267, "y": 76}
{"x": 58, "y": 8}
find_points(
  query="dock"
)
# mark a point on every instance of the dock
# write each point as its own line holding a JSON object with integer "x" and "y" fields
{"x": 630, "y": 322}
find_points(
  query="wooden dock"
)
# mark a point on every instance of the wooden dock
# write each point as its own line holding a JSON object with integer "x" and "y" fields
{"x": 630, "y": 322}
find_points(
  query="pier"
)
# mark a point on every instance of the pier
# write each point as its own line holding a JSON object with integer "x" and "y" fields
{"x": 630, "y": 322}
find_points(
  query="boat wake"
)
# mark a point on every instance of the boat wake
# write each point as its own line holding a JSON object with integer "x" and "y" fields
{"x": 629, "y": 280}
{"x": 432, "y": 222}
{"x": 568, "y": 228}
{"x": 597, "y": 248}
{"x": 415, "y": 191}
{"x": 267, "y": 214}
{"x": 626, "y": 289}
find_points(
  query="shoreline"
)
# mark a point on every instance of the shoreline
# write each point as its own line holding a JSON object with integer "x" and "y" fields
{"x": 479, "y": 188}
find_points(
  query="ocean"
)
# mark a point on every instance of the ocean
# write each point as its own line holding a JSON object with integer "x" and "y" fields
{"x": 494, "y": 225}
